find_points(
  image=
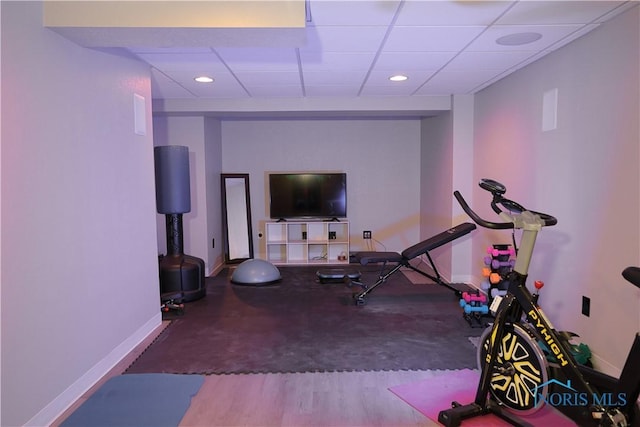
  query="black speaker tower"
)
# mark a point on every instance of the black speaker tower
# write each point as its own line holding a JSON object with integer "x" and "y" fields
{"x": 181, "y": 276}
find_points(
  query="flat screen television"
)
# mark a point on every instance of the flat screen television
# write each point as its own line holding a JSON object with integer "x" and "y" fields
{"x": 308, "y": 195}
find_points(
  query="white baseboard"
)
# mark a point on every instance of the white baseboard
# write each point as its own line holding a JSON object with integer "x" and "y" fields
{"x": 56, "y": 408}
{"x": 216, "y": 269}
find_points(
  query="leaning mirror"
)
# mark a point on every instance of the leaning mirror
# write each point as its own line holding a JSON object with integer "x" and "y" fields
{"x": 236, "y": 213}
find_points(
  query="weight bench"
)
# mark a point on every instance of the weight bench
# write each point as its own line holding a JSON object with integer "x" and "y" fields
{"x": 402, "y": 260}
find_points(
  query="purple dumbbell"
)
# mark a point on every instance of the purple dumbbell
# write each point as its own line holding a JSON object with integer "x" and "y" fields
{"x": 496, "y": 264}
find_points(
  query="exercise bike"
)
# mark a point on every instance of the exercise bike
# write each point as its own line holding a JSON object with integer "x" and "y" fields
{"x": 517, "y": 377}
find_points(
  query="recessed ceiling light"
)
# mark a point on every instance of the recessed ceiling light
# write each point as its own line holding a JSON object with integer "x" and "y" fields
{"x": 203, "y": 79}
{"x": 518, "y": 39}
{"x": 398, "y": 78}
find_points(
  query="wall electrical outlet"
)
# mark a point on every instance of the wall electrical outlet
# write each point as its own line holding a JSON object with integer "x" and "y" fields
{"x": 366, "y": 234}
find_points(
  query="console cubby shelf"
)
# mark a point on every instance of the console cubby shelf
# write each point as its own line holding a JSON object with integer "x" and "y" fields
{"x": 309, "y": 242}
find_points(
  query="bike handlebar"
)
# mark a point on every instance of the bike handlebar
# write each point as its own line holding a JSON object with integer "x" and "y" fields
{"x": 497, "y": 190}
{"x": 474, "y": 216}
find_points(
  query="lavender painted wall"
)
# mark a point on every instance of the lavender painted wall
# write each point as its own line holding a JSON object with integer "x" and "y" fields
{"x": 79, "y": 263}
{"x": 381, "y": 159}
{"x": 585, "y": 172}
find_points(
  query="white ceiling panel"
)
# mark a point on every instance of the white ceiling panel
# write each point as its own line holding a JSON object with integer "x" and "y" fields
{"x": 498, "y": 61}
{"x": 349, "y": 48}
{"x": 318, "y": 78}
{"x": 569, "y": 38}
{"x": 194, "y": 62}
{"x": 269, "y": 59}
{"x": 448, "y": 79}
{"x": 556, "y": 12}
{"x": 451, "y": 13}
{"x": 431, "y": 39}
{"x": 352, "y": 13}
{"x": 332, "y": 61}
{"x": 550, "y": 34}
{"x": 344, "y": 39}
{"x": 164, "y": 87}
{"x": 381, "y": 78}
{"x": 257, "y": 78}
{"x": 224, "y": 83}
{"x": 404, "y": 61}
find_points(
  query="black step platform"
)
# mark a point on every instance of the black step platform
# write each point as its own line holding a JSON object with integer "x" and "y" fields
{"x": 336, "y": 275}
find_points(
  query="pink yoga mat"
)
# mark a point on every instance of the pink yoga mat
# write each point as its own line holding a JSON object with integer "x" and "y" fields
{"x": 432, "y": 395}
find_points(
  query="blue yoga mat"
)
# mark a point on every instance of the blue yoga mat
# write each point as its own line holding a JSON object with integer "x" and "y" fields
{"x": 138, "y": 400}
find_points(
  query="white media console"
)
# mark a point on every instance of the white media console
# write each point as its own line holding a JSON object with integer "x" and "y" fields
{"x": 307, "y": 242}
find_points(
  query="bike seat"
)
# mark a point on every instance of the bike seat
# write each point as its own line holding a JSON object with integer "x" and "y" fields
{"x": 632, "y": 274}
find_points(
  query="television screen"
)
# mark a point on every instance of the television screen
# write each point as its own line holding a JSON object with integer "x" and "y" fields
{"x": 308, "y": 195}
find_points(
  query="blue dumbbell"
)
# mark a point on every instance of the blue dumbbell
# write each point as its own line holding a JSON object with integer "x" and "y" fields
{"x": 482, "y": 309}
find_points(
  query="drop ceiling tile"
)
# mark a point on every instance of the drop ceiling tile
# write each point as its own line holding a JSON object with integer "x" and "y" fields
{"x": 352, "y": 13}
{"x": 430, "y": 39}
{"x": 350, "y": 48}
{"x": 344, "y": 39}
{"x": 550, "y": 34}
{"x": 451, "y": 13}
{"x": 196, "y": 62}
{"x": 571, "y": 37}
{"x": 165, "y": 88}
{"x": 466, "y": 61}
{"x": 224, "y": 83}
{"x": 381, "y": 78}
{"x": 264, "y": 59}
{"x": 447, "y": 80}
{"x": 263, "y": 78}
{"x": 336, "y": 61}
{"x": 401, "y": 61}
{"x": 556, "y": 12}
{"x": 334, "y": 78}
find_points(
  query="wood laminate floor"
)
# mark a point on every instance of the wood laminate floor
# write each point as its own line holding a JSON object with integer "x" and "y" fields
{"x": 339, "y": 399}
{"x": 305, "y": 399}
